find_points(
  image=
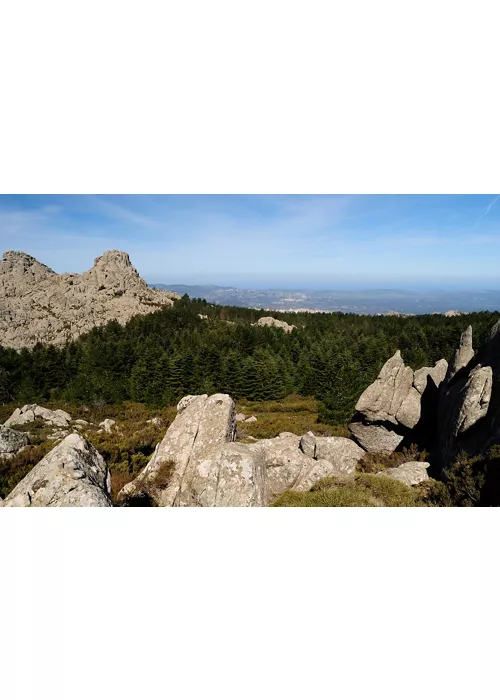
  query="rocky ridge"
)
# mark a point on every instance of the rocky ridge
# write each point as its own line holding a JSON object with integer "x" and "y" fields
{"x": 39, "y": 305}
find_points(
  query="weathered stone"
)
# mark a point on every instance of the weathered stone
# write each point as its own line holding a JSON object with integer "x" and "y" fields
{"x": 285, "y": 464}
{"x": 240, "y": 417}
{"x": 436, "y": 373}
{"x": 342, "y": 453}
{"x": 32, "y": 412}
{"x": 375, "y": 438}
{"x": 234, "y": 475}
{"x": 12, "y": 441}
{"x": 410, "y": 473}
{"x": 308, "y": 444}
{"x": 156, "y": 421}
{"x": 38, "y": 305}
{"x": 107, "y": 424}
{"x": 318, "y": 469}
{"x": 82, "y": 423}
{"x": 202, "y": 425}
{"x": 463, "y": 354}
{"x": 270, "y": 321}
{"x": 252, "y": 419}
{"x": 382, "y": 399}
{"x": 72, "y": 474}
{"x": 409, "y": 412}
{"x": 476, "y": 398}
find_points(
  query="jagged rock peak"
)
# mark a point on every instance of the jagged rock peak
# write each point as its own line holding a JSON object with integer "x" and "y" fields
{"x": 38, "y": 305}
{"x": 18, "y": 269}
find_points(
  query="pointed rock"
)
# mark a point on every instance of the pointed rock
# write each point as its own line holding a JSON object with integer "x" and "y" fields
{"x": 382, "y": 399}
{"x": 476, "y": 398}
{"x": 463, "y": 354}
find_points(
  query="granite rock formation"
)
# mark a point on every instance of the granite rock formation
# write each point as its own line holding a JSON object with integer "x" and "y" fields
{"x": 72, "y": 474}
{"x": 390, "y": 408}
{"x": 38, "y": 305}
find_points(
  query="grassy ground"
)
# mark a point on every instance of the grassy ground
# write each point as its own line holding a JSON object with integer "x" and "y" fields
{"x": 295, "y": 414}
{"x": 363, "y": 490}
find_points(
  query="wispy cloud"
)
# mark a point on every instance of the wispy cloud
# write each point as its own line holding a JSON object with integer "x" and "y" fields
{"x": 119, "y": 212}
{"x": 486, "y": 211}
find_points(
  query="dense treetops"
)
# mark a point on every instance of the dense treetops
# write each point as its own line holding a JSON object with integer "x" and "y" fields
{"x": 158, "y": 358}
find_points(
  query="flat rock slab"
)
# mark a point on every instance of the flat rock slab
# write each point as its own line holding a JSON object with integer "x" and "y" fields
{"x": 410, "y": 473}
{"x": 375, "y": 438}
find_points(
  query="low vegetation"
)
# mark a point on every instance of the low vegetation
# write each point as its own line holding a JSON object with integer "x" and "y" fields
{"x": 374, "y": 462}
{"x": 361, "y": 490}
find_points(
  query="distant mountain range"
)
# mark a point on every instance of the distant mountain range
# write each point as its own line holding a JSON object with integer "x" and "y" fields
{"x": 368, "y": 301}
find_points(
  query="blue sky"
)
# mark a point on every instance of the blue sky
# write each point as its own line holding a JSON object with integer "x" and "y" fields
{"x": 292, "y": 241}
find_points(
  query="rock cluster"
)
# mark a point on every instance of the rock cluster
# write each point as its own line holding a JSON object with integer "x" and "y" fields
{"x": 32, "y": 412}
{"x": 38, "y": 305}
{"x": 270, "y": 321}
{"x": 392, "y": 406}
{"x": 199, "y": 464}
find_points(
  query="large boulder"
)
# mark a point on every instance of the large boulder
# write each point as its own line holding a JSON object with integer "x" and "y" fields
{"x": 410, "y": 473}
{"x": 11, "y": 441}
{"x": 72, "y": 474}
{"x": 375, "y": 438}
{"x": 202, "y": 425}
{"x": 382, "y": 399}
{"x": 476, "y": 399}
{"x": 32, "y": 412}
{"x": 393, "y": 406}
{"x": 343, "y": 454}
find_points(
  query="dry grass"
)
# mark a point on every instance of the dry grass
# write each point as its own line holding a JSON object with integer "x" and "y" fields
{"x": 294, "y": 414}
{"x": 13, "y": 470}
{"x": 373, "y": 462}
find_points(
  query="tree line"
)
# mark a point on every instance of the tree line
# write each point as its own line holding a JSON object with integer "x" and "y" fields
{"x": 158, "y": 358}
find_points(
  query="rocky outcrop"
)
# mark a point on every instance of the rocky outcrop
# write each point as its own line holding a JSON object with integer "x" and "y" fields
{"x": 72, "y": 474}
{"x": 410, "y": 473}
{"x": 199, "y": 464}
{"x": 392, "y": 406}
{"x": 202, "y": 424}
{"x": 38, "y": 305}
{"x": 274, "y": 322}
{"x": 382, "y": 400}
{"x": 469, "y": 404}
{"x": 32, "y": 412}
{"x": 476, "y": 399}
{"x": 463, "y": 354}
{"x": 11, "y": 441}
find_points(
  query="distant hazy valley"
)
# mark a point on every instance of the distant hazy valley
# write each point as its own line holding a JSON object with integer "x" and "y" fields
{"x": 377, "y": 301}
